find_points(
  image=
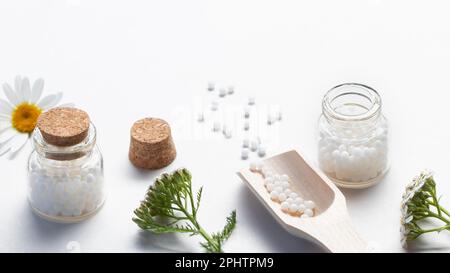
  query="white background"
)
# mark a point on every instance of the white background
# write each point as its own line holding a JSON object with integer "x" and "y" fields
{"x": 124, "y": 60}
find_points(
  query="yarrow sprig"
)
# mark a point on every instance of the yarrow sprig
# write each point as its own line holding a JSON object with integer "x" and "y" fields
{"x": 420, "y": 202}
{"x": 170, "y": 206}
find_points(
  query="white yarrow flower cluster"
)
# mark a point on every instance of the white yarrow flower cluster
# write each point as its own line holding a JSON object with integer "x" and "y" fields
{"x": 420, "y": 202}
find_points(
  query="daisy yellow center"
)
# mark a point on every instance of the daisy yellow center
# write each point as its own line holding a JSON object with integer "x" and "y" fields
{"x": 25, "y": 116}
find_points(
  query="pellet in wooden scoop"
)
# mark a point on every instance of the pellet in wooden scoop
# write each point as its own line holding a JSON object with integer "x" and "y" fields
{"x": 151, "y": 145}
{"x": 64, "y": 126}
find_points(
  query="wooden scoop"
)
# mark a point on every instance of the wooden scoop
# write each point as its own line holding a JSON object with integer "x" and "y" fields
{"x": 331, "y": 226}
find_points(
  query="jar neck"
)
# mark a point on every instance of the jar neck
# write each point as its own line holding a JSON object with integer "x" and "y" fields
{"x": 78, "y": 152}
{"x": 352, "y": 105}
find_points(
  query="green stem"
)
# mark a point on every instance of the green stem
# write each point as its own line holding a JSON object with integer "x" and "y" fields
{"x": 446, "y": 227}
{"x": 201, "y": 231}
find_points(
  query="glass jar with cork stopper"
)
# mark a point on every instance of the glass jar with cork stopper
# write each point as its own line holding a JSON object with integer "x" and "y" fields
{"x": 66, "y": 167}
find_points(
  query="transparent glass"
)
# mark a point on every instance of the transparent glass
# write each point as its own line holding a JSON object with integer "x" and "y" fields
{"x": 66, "y": 184}
{"x": 353, "y": 136}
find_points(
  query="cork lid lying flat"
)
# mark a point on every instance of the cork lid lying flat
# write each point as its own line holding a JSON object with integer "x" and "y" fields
{"x": 64, "y": 126}
{"x": 151, "y": 145}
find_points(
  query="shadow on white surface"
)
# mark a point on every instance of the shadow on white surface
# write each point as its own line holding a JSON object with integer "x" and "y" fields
{"x": 142, "y": 175}
{"x": 45, "y": 233}
{"x": 251, "y": 209}
{"x": 147, "y": 242}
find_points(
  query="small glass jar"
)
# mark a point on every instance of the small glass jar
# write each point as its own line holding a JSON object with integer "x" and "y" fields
{"x": 353, "y": 142}
{"x": 66, "y": 184}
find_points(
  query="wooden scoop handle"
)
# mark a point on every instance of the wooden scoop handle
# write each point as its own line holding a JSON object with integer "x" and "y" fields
{"x": 340, "y": 235}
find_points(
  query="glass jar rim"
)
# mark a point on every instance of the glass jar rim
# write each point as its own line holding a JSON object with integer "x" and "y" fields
{"x": 358, "y": 89}
{"x": 50, "y": 151}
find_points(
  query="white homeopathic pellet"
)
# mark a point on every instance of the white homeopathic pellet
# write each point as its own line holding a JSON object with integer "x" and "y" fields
{"x": 254, "y": 144}
{"x": 216, "y": 126}
{"x": 261, "y": 151}
{"x": 244, "y": 153}
{"x": 251, "y": 101}
{"x": 200, "y": 117}
{"x": 279, "y": 115}
{"x": 211, "y": 86}
{"x": 222, "y": 92}
{"x": 228, "y": 133}
{"x": 66, "y": 193}
{"x": 270, "y": 119}
{"x": 214, "y": 106}
{"x": 279, "y": 188}
{"x": 230, "y": 90}
{"x": 246, "y": 112}
{"x": 246, "y": 143}
{"x": 246, "y": 125}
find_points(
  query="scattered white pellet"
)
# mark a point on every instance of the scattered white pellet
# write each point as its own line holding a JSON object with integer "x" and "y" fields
{"x": 214, "y": 106}
{"x": 244, "y": 153}
{"x": 261, "y": 151}
{"x": 274, "y": 195}
{"x": 216, "y": 126}
{"x": 282, "y": 197}
{"x": 246, "y": 143}
{"x": 309, "y": 212}
{"x": 304, "y": 216}
{"x": 211, "y": 86}
{"x": 200, "y": 117}
{"x": 279, "y": 115}
{"x": 285, "y": 206}
{"x": 278, "y": 189}
{"x": 246, "y": 125}
{"x": 301, "y": 207}
{"x": 293, "y": 208}
{"x": 230, "y": 90}
{"x": 251, "y": 101}
{"x": 270, "y": 119}
{"x": 246, "y": 112}
{"x": 222, "y": 92}
{"x": 228, "y": 134}
{"x": 288, "y": 192}
{"x": 254, "y": 145}
{"x": 310, "y": 204}
{"x": 293, "y": 195}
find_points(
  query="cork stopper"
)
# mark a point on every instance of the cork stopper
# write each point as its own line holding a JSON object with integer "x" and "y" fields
{"x": 151, "y": 145}
{"x": 64, "y": 126}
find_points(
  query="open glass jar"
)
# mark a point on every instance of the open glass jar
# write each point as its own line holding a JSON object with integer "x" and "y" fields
{"x": 353, "y": 142}
{"x": 66, "y": 183}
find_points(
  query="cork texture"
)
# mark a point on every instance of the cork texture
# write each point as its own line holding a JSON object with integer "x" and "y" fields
{"x": 151, "y": 144}
{"x": 64, "y": 126}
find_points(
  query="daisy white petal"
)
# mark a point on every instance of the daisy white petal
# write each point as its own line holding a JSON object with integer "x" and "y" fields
{"x": 36, "y": 92}
{"x": 18, "y": 144}
{"x": 4, "y": 150}
{"x": 7, "y": 135}
{"x": 5, "y": 107}
{"x": 68, "y": 105}
{"x": 50, "y": 101}
{"x": 10, "y": 94}
{"x": 18, "y": 87}
{"x": 26, "y": 89}
{"x": 5, "y": 117}
{"x": 5, "y": 128}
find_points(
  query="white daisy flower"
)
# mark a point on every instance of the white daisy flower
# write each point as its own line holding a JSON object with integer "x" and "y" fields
{"x": 20, "y": 112}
